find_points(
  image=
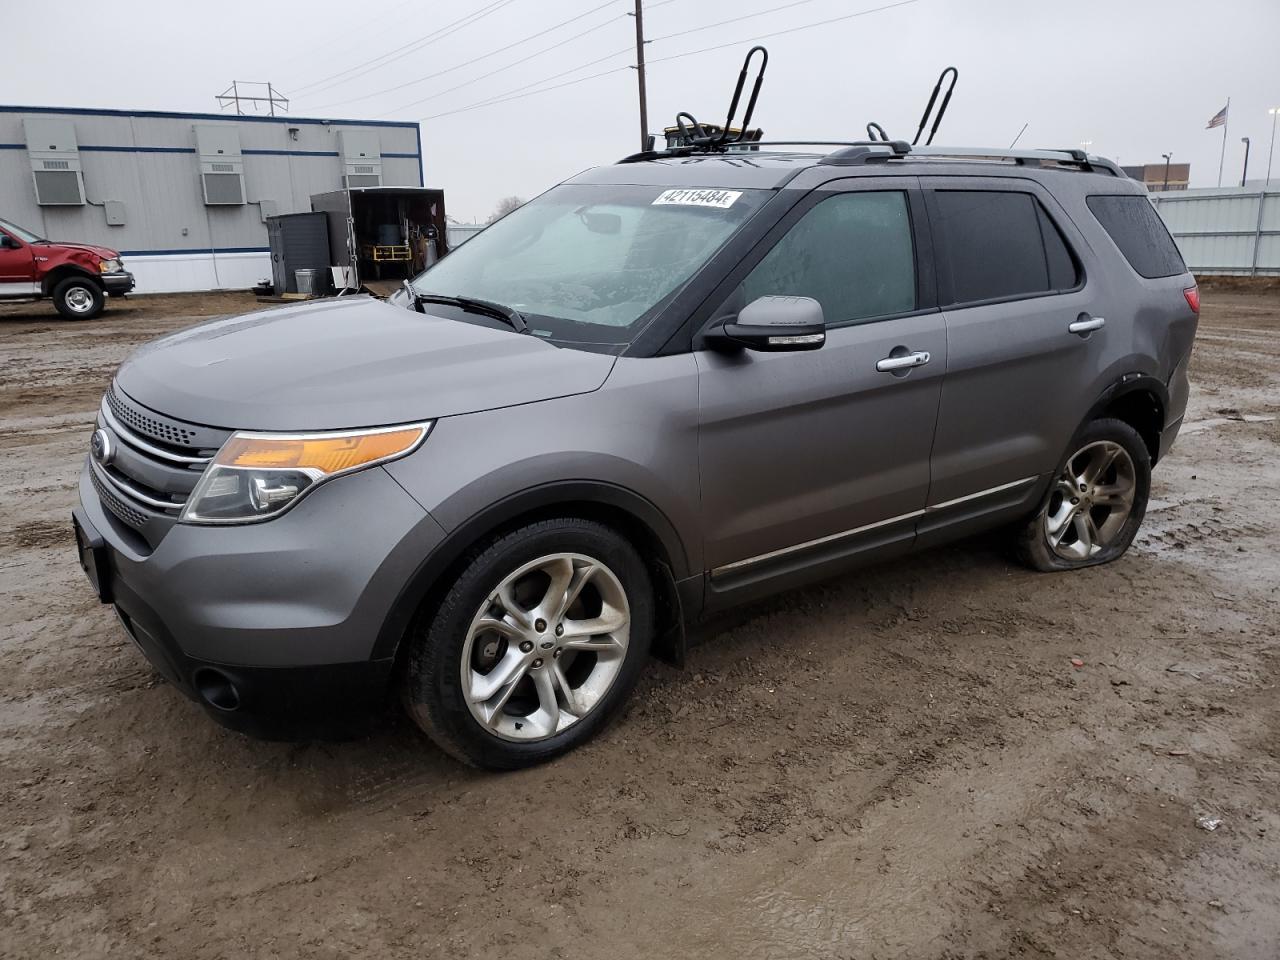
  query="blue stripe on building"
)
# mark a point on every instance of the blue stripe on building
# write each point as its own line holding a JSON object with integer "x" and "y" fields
{"x": 107, "y": 148}
{"x": 192, "y": 251}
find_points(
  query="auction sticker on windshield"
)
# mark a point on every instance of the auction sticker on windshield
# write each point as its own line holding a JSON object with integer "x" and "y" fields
{"x": 699, "y": 198}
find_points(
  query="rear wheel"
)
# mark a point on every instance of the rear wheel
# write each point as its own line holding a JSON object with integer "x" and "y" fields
{"x": 536, "y": 646}
{"x": 78, "y": 298}
{"x": 1096, "y": 503}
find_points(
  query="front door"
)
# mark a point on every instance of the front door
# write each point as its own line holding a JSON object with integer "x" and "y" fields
{"x": 808, "y": 457}
{"x": 17, "y": 269}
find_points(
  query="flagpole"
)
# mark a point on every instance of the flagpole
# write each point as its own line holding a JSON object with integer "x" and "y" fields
{"x": 1226, "y": 122}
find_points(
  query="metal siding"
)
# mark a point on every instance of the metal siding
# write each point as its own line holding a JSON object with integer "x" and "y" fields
{"x": 160, "y": 187}
{"x": 398, "y": 172}
{"x": 1220, "y": 230}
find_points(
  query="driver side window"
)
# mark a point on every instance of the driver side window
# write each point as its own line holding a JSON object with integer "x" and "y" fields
{"x": 852, "y": 252}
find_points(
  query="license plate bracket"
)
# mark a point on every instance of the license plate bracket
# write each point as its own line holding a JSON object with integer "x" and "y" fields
{"x": 94, "y": 557}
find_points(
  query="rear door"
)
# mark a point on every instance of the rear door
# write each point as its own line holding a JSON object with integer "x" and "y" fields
{"x": 808, "y": 457}
{"x": 1025, "y": 333}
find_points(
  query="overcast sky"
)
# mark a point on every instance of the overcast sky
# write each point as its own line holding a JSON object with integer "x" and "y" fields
{"x": 1137, "y": 78}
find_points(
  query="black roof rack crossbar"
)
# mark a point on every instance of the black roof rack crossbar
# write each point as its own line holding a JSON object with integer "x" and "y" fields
{"x": 942, "y": 108}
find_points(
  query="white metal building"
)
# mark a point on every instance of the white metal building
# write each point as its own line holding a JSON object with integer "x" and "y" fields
{"x": 183, "y": 196}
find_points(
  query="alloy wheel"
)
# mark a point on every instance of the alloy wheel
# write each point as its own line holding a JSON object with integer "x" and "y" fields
{"x": 545, "y": 647}
{"x": 1091, "y": 501}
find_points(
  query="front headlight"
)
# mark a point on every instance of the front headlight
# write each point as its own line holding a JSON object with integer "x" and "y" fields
{"x": 110, "y": 266}
{"x": 256, "y": 476}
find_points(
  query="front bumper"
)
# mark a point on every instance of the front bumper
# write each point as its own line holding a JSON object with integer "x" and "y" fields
{"x": 117, "y": 284}
{"x": 269, "y": 626}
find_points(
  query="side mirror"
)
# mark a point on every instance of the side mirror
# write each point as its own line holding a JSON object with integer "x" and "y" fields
{"x": 774, "y": 324}
{"x": 8, "y": 243}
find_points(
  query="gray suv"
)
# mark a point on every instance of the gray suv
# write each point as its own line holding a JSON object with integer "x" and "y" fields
{"x": 662, "y": 388}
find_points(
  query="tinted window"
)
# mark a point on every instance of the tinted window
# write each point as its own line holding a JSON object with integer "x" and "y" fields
{"x": 1140, "y": 234}
{"x": 853, "y": 253}
{"x": 1000, "y": 244}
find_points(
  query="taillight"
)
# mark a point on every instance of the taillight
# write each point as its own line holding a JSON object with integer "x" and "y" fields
{"x": 1193, "y": 298}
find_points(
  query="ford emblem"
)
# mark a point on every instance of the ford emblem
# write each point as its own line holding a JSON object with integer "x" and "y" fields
{"x": 100, "y": 447}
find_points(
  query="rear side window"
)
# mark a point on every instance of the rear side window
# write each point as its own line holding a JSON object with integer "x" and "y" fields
{"x": 1140, "y": 234}
{"x": 853, "y": 253}
{"x": 1000, "y": 244}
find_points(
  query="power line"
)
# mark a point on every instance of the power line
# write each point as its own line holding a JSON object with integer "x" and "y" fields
{"x": 617, "y": 53}
{"x": 781, "y": 33}
{"x": 524, "y": 91}
{"x": 745, "y": 16}
{"x": 485, "y": 56}
{"x": 565, "y": 73}
{"x": 310, "y": 51}
{"x": 432, "y": 76}
{"x": 405, "y": 49}
{"x": 496, "y": 101}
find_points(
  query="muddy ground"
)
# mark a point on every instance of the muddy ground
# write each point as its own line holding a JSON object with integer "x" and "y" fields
{"x": 903, "y": 763}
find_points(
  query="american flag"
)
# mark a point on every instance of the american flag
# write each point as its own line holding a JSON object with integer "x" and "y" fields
{"x": 1218, "y": 120}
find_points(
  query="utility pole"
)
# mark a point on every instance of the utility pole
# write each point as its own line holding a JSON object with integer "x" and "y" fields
{"x": 1167, "y": 157}
{"x": 644, "y": 101}
{"x": 1244, "y": 175}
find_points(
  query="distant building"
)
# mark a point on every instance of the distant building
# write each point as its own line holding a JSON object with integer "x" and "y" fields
{"x": 1153, "y": 175}
{"x": 185, "y": 196}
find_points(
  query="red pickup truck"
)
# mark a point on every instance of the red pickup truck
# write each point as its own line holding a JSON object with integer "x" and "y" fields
{"x": 76, "y": 276}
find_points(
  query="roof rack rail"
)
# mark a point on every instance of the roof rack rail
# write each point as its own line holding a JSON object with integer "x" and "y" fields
{"x": 866, "y": 151}
{"x": 887, "y": 149}
{"x": 1068, "y": 157}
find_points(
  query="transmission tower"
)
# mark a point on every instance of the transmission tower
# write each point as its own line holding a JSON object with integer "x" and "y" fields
{"x": 243, "y": 94}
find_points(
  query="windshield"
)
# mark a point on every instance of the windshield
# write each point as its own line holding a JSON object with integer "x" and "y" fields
{"x": 26, "y": 236}
{"x": 592, "y": 263}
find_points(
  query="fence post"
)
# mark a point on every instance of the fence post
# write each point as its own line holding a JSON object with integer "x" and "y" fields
{"x": 1257, "y": 232}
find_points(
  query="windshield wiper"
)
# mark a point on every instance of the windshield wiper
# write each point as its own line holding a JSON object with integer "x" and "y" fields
{"x": 488, "y": 308}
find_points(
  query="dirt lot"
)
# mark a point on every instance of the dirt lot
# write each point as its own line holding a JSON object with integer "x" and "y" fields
{"x": 904, "y": 763}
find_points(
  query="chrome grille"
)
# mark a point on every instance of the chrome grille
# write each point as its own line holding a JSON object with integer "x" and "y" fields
{"x": 156, "y": 462}
{"x": 135, "y": 518}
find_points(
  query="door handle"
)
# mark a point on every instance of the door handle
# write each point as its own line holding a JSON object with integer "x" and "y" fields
{"x": 904, "y": 362}
{"x": 1086, "y": 324}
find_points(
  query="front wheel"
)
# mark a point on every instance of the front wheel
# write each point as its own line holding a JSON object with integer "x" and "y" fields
{"x": 78, "y": 299}
{"x": 1095, "y": 505}
{"x": 535, "y": 647}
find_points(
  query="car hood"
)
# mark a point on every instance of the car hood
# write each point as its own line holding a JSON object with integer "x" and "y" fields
{"x": 106, "y": 253}
{"x": 351, "y": 362}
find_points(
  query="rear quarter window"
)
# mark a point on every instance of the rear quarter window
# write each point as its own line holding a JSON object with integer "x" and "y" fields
{"x": 1140, "y": 234}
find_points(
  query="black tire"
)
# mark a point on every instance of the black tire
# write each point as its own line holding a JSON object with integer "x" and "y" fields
{"x": 432, "y": 681}
{"x": 1032, "y": 542}
{"x": 78, "y": 298}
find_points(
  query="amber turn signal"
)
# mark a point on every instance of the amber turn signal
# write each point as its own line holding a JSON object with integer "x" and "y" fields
{"x": 325, "y": 453}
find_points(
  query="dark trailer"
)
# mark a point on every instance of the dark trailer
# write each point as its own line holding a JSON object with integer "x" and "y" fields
{"x": 380, "y": 236}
